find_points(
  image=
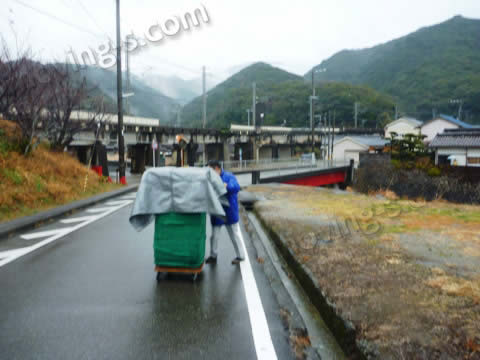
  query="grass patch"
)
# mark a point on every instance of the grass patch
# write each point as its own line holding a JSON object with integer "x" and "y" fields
{"x": 467, "y": 214}
{"x": 39, "y": 184}
{"x": 41, "y": 180}
{"x": 13, "y": 176}
{"x": 394, "y": 229}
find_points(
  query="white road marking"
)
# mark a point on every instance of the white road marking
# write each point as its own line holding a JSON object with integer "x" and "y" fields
{"x": 130, "y": 197}
{"x": 56, "y": 234}
{"x": 41, "y": 234}
{"x": 98, "y": 210}
{"x": 14, "y": 252}
{"x": 258, "y": 320}
{"x": 76, "y": 220}
{"x": 115, "y": 203}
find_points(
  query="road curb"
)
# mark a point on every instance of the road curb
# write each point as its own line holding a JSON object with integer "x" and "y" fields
{"x": 27, "y": 222}
{"x": 322, "y": 341}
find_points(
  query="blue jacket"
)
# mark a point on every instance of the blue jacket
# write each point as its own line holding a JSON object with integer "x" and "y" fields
{"x": 232, "y": 195}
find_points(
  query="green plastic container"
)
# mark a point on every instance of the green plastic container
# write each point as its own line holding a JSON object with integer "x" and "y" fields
{"x": 179, "y": 240}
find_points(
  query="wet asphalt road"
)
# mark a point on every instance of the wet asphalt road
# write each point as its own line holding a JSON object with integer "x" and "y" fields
{"x": 92, "y": 294}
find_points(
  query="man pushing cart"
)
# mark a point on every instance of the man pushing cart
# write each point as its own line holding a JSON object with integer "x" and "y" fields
{"x": 178, "y": 199}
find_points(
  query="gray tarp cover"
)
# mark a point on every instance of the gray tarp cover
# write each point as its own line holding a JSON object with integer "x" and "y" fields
{"x": 181, "y": 190}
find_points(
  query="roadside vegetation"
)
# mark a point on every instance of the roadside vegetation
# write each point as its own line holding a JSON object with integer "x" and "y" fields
{"x": 408, "y": 169}
{"x": 42, "y": 179}
{"x": 38, "y": 100}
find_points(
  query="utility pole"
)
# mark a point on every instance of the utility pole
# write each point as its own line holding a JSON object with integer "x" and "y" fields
{"x": 127, "y": 64}
{"x": 356, "y": 114}
{"x": 179, "y": 115}
{"x": 396, "y": 112}
{"x": 204, "y": 112}
{"x": 248, "y": 115}
{"x": 459, "y": 117}
{"x": 460, "y": 106}
{"x": 121, "y": 143}
{"x": 204, "y": 98}
{"x": 327, "y": 123}
{"x": 329, "y": 136}
{"x": 312, "y": 120}
{"x": 254, "y": 104}
{"x": 333, "y": 132}
{"x": 313, "y": 82}
{"x": 326, "y": 130}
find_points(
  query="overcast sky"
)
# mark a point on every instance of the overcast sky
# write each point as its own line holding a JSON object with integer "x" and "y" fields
{"x": 293, "y": 35}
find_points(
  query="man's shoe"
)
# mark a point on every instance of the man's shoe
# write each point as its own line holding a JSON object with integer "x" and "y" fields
{"x": 211, "y": 260}
{"x": 237, "y": 260}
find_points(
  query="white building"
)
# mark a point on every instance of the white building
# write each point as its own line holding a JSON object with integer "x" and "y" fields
{"x": 403, "y": 126}
{"x": 460, "y": 147}
{"x": 438, "y": 125}
{"x": 349, "y": 147}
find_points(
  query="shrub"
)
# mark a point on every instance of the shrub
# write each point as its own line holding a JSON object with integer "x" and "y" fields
{"x": 397, "y": 164}
{"x": 434, "y": 171}
{"x": 416, "y": 183}
{"x": 423, "y": 163}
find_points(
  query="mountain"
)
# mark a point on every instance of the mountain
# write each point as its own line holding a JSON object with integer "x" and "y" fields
{"x": 285, "y": 98}
{"x": 228, "y": 101}
{"x": 183, "y": 91}
{"x": 175, "y": 87}
{"x": 146, "y": 102}
{"x": 424, "y": 70}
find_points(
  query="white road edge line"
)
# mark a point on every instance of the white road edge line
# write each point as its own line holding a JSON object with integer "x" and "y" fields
{"x": 258, "y": 320}
{"x": 115, "y": 203}
{"x": 61, "y": 234}
{"x": 98, "y": 210}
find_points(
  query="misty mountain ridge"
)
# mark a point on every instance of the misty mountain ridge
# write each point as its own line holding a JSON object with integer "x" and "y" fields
{"x": 185, "y": 90}
{"x": 146, "y": 101}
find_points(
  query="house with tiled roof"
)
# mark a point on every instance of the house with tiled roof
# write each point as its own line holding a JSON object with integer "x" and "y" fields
{"x": 457, "y": 147}
{"x": 402, "y": 127}
{"x": 349, "y": 147}
{"x": 439, "y": 124}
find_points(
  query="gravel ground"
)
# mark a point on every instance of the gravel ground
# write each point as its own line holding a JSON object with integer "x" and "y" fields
{"x": 405, "y": 274}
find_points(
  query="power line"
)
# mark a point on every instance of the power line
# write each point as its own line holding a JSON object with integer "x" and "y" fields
{"x": 85, "y": 10}
{"x": 44, "y": 13}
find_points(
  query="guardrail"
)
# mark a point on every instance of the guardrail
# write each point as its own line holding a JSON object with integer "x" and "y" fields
{"x": 278, "y": 164}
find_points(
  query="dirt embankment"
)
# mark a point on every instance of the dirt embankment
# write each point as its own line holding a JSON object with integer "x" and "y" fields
{"x": 42, "y": 179}
{"x": 405, "y": 274}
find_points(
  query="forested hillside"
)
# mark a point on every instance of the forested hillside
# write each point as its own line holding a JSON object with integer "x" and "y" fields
{"x": 286, "y": 98}
{"x": 423, "y": 71}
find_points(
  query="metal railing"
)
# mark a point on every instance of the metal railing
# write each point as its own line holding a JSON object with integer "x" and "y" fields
{"x": 279, "y": 164}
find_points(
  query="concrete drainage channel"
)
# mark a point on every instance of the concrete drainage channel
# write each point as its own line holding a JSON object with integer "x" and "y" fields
{"x": 322, "y": 341}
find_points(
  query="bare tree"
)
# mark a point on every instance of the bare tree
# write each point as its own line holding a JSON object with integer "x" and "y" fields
{"x": 65, "y": 96}
{"x": 23, "y": 95}
{"x": 30, "y": 100}
{"x": 10, "y": 72}
{"x": 72, "y": 107}
{"x": 31, "y": 92}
